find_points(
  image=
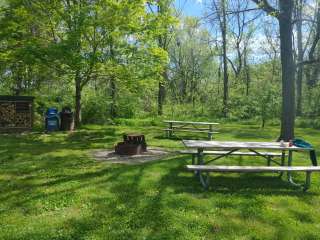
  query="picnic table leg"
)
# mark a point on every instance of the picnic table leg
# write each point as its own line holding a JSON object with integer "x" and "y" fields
{"x": 269, "y": 161}
{"x": 283, "y": 159}
{"x": 200, "y": 156}
{"x": 204, "y": 180}
{"x": 289, "y": 164}
{"x": 171, "y": 129}
{"x": 289, "y": 174}
{"x": 204, "y": 177}
{"x": 199, "y": 160}
{"x": 194, "y": 158}
{"x": 308, "y": 181}
{"x": 210, "y": 133}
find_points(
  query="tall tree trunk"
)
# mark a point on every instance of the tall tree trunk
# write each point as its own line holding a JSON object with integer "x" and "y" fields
{"x": 77, "y": 117}
{"x": 307, "y": 73}
{"x": 18, "y": 76}
{"x": 113, "y": 86}
{"x": 300, "y": 58}
{"x": 18, "y": 86}
{"x": 163, "y": 41}
{"x": 225, "y": 61}
{"x": 113, "y": 108}
{"x": 161, "y": 93}
{"x": 247, "y": 72}
{"x": 219, "y": 76}
{"x": 288, "y": 70}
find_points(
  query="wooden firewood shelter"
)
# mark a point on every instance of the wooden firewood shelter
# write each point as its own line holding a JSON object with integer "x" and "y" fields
{"x": 16, "y": 113}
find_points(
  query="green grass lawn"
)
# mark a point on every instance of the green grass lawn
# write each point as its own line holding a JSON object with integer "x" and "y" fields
{"x": 50, "y": 188}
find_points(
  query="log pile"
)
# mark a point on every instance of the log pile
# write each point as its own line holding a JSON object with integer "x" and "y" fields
{"x": 12, "y": 115}
{"x": 16, "y": 113}
{"x": 7, "y": 114}
{"x": 23, "y": 120}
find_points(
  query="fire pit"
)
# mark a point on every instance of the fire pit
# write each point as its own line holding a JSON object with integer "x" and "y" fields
{"x": 132, "y": 144}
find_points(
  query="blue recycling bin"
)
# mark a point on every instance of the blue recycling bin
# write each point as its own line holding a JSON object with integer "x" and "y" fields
{"x": 52, "y": 120}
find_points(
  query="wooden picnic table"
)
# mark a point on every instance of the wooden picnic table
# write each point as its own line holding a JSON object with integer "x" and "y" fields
{"x": 188, "y": 126}
{"x": 200, "y": 144}
{"x": 228, "y": 147}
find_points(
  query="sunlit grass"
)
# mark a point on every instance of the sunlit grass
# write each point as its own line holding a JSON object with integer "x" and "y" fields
{"x": 51, "y": 188}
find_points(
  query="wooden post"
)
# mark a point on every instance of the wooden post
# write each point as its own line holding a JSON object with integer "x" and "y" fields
{"x": 210, "y": 132}
{"x": 308, "y": 181}
{"x": 200, "y": 156}
{"x": 283, "y": 159}
{"x": 269, "y": 161}
{"x": 290, "y": 180}
{"x": 171, "y": 129}
{"x": 199, "y": 160}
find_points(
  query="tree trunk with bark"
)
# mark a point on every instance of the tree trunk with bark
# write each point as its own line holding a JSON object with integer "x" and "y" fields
{"x": 113, "y": 86}
{"x": 247, "y": 71}
{"x": 161, "y": 93}
{"x": 288, "y": 70}
{"x": 77, "y": 116}
{"x": 300, "y": 58}
{"x": 163, "y": 41}
{"x": 113, "y": 107}
{"x": 225, "y": 60}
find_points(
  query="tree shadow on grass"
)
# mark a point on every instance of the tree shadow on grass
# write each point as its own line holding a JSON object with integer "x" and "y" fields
{"x": 248, "y": 184}
{"x": 135, "y": 201}
{"x": 131, "y": 207}
{"x": 151, "y": 213}
{"x": 35, "y": 144}
{"x": 138, "y": 201}
{"x": 23, "y": 193}
{"x": 139, "y": 205}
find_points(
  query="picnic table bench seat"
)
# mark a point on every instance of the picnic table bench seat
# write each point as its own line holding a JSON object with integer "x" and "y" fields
{"x": 188, "y": 130}
{"x": 272, "y": 154}
{"x": 204, "y": 179}
{"x": 190, "y": 122}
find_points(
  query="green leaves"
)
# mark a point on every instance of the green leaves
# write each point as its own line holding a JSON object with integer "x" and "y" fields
{"x": 83, "y": 41}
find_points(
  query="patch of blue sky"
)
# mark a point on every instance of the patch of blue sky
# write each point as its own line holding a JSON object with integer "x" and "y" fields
{"x": 190, "y": 7}
{"x": 258, "y": 44}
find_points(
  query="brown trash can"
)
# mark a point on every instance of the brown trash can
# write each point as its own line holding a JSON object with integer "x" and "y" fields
{"x": 66, "y": 119}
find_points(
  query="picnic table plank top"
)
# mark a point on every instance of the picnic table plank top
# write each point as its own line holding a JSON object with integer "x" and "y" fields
{"x": 240, "y": 145}
{"x": 188, "y": 122}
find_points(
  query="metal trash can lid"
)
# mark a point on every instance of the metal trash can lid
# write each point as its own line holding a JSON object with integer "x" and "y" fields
{"x": 52, "y": 111}
{"x": 66, "y": 110}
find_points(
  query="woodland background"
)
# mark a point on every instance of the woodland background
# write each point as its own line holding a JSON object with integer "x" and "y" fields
{"x": 112, "y": 59}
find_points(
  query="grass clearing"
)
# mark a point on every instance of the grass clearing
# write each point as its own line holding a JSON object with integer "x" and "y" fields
{"x": 50, "y": 188}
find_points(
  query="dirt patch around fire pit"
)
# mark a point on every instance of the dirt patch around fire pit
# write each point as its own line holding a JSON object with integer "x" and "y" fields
{"x": 153, "y": 154}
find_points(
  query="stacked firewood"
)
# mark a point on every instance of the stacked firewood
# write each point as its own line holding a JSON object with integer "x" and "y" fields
{"x": 12, "y": 117}
{"x": 7, "y": 113}
{"x": 23, "y": 120}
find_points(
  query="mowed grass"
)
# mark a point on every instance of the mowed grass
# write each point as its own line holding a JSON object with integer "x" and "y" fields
{"x": 51, "y": 188}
